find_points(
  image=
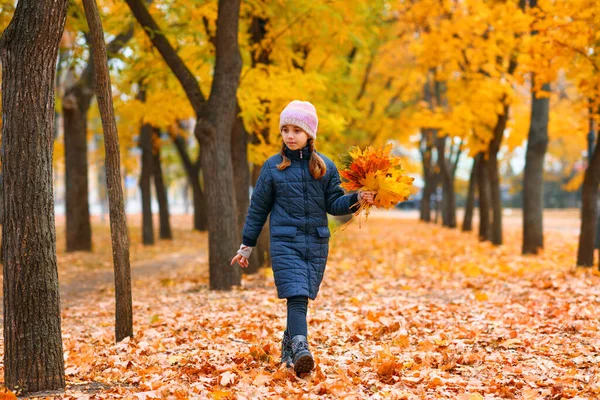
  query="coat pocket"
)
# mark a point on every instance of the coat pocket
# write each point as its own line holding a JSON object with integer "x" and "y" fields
{"x": 323, "y": 231}
{"x": 283, "y": 231}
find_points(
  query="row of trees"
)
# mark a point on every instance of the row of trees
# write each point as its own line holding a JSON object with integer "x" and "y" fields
{"x": 493, "y": 51}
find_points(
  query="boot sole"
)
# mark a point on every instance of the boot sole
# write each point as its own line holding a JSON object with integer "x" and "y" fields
{"x": 304, "y": 364}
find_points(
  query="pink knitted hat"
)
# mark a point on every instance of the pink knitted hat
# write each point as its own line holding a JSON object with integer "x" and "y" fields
{"x": 302, "y": 114}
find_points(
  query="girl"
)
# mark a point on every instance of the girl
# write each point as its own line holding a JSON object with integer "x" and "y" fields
{"x": 298, "y": 187}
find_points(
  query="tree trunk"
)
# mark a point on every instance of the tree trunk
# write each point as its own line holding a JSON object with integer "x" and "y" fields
{"x": 469, "y": 207}
{"x": 192, "y": 171}
{"x": 76, "y": 103}
{"x": 146, "y": 178}
{"x": 589, "y": 202}
{"x": 494, "y": 178}
{"x": 484, "y": 198}
{"x": 449, "y": 197}
{"x": 118, "y": 223}
{"x": 161, "y": 194}
{"x": 214, "y": 135}
{"x": 429, "y": 177}
{"x": 589, "y": 211}
{"x": 33, "y": 352}
{"x": 533, "y": 180}
{"x": 425, "y": 206}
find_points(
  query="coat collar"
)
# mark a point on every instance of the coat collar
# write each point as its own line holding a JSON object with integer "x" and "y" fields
{"x": 302, "y": 154}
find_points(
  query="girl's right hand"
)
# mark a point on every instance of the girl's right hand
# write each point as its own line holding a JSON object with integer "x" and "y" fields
{"x": 367, "y": 196}
{"x": 240, "y": 259}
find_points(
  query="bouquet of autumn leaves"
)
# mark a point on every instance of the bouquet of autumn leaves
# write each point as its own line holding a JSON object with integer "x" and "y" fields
{"x": 376, "y": 170}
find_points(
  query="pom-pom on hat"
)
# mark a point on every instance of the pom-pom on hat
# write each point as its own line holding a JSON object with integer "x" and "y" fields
{"x": 302, "y": 114}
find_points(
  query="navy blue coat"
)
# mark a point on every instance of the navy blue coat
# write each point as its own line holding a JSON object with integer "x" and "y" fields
{"x": 298, "y": 205}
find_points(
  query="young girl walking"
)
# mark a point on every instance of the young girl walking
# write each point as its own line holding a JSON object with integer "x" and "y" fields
{"x": 298, "y": 187}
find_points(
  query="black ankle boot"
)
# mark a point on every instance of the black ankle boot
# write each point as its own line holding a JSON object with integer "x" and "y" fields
{"x": 286, "y": 350}
{"x": 303, "y": 360}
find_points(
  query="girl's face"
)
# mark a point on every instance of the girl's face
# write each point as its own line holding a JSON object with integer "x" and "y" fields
{"x": 294, "y": 137}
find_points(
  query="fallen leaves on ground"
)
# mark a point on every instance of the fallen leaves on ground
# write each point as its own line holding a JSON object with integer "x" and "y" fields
{"x": 407, "y": 311}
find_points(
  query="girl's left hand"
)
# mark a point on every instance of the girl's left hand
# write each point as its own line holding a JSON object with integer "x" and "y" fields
{"x": 367, "y": 196}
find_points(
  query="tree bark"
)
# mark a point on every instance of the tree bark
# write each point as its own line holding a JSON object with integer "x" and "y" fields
{"x": 533, "y": 180}
{"x": 494, "y": 178}
{"x": 161, "y": 194}
{"x": 33, "y": 352}
{"x": 118, "y": 223}
{"x": 470, "y": 206}
{"x": 146, "y": 177}
{"x": 213, "y": 129}
{"x": 484, "y": 198}
{"x": 76, "y": 104}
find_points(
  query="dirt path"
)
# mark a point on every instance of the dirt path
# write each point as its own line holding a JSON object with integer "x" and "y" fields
{"x": 95, "y": 281}
{"x": 87, "y": 283}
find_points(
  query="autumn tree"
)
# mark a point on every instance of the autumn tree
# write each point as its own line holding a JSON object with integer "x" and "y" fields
{"x": 537, "y": 144}
{"x": 33, "y": 353}
{"x": 215, "y": 118}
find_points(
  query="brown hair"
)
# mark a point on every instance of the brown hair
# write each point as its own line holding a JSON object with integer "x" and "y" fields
{"x": 316, "y": 165}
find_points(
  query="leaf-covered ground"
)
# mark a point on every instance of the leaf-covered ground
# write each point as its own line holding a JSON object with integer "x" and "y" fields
{"x": 407, "y": 311}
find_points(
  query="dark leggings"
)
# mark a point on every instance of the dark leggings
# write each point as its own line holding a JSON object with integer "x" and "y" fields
{"x": 296, "y": 316}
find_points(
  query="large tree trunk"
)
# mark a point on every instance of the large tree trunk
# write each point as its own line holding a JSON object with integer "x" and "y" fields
{"x": 494, "y": 178}
{"x": 146, "y": 178}
{"x": 161, "y": 194}
{"x": 215, "y": 119}
{"x": 33, "y": 353}
{"x": 118, "y": 223}
{"x": 467, "y": 225}
{"x": 484, "y": 198}
{"x": 214, "y": 135}
{"x": 533, "y": 181}
{"x": 76, "y": 103}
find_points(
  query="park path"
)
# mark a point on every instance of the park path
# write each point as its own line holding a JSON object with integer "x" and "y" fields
{"x": 103, "y": 280}
{"x": 73, "y": 290}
